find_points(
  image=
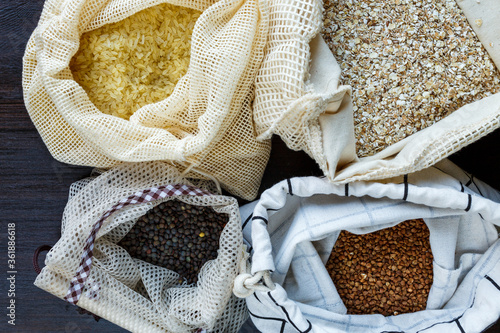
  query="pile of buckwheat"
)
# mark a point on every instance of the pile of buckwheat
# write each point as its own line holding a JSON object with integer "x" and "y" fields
{"x": 410, "y": 64}
{"x": 386, "y": 272}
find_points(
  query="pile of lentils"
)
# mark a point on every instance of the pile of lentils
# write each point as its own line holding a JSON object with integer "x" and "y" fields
{"x": 387, "y": 272}
{"x": 177, "y": 236}
{"x": 410, "y": 64}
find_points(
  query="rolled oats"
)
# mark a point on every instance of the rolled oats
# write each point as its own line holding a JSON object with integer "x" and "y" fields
{"x": 410, "y": 63}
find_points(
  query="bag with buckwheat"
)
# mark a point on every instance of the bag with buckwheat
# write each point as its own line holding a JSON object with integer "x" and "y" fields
{"x": 418, "y": 253}
{"x": 95, "y": 267}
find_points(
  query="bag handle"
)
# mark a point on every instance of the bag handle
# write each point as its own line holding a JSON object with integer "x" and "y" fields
{"x": 247, "y": 283}
{"x": 82, "y": 273}
{"x": 38, "y": 270}
{"x": 36, "y": 254}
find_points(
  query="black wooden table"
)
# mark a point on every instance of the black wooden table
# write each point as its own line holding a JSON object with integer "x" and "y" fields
{"x": 34, "y": 187}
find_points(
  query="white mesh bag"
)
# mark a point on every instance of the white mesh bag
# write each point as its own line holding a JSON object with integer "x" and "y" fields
{"x": 298, "y": 97}
{"x": 129, "y": 292}
{"x": 294, "y": 226}
{"x": 205, "y": 125}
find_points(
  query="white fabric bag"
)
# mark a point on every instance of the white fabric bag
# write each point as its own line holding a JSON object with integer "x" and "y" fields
{"x": 293, "y": 227}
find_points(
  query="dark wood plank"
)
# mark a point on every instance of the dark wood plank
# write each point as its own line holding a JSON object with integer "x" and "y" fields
{"x": 18, "y": 20}
{"x": 34, "y": 191}
{"x": 285, "y": 163}
{"x": 482, "y": 159}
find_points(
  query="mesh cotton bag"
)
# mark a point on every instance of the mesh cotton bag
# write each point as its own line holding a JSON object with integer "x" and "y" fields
{"x": 294, "y": 226}
{"x": 298, "y": 97}
{"x": 205, "y": 125}
{"x": 129, "y": 292}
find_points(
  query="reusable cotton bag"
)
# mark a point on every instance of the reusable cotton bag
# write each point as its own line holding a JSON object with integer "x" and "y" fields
{"x": 87, "y": 267}
{"x": 298, "y": 97}
{"x": 205, "y": 126}
{"x": 292, "y": 229}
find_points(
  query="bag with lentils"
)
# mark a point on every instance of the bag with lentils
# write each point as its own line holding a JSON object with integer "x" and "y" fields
{"x": 375, "y": 89}
{"x": 420, "y": 253}
{"x": 147, "y": 250}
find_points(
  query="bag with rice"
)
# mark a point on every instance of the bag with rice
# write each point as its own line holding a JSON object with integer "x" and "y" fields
{"x": 88, "y": 267}
{"x": 294, "y": 226}
{"x": 112, "y": 81}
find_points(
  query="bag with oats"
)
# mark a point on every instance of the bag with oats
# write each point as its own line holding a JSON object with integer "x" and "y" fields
{"x": 372, "y": 90}
{"x": 418, "y": 253}
{"x": 110, "y": 81}
{"x": 93, "y": 266}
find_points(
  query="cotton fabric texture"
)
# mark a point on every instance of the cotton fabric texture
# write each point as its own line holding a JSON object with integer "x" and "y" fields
{"x": 299, "y": 97}
{"x": 205, "y": 126}
{"x": 293, "y": 228}
{"x": 132, "y": 293}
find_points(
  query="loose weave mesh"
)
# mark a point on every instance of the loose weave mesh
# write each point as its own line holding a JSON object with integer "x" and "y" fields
{"x": 281, "y": 79}
{"x": 136, "y": 295}
{"x": 205, "y": 125}
{"x": 285, "y": 104}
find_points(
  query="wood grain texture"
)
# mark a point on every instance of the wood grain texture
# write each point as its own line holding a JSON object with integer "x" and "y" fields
{"x": 18, "y": 20}
{"x": 34, "y": 187}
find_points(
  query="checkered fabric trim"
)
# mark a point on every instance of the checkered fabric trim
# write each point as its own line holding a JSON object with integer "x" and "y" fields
{"x": 93, "y": 289}
{"x": 78, "y": 282}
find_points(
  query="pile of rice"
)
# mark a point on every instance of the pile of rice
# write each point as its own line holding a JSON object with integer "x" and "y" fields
{"x": 137, "y": 61}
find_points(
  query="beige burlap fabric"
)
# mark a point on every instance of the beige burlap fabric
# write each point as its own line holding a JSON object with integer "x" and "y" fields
{"x": 136, "y": 295}
{"x": 299, "y": 98}
{"x": 205, "y": 126}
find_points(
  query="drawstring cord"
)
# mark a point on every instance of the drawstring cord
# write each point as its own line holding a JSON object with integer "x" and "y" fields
{"x": 246, "y": 284}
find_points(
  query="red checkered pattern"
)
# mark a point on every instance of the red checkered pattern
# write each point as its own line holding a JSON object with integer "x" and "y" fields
{"x": 78, "y": 282}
